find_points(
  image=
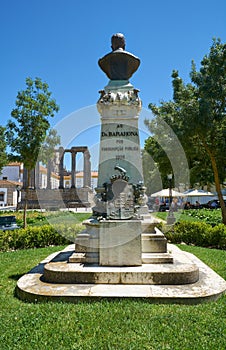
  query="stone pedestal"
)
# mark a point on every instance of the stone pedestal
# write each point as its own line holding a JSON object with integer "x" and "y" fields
{"x": 87, "y": 243}
{"x": 120, "y": 243}
{"x": 119, "y": 107}
{"x": 154, "y": 243}
{"x": 171, "y": 219}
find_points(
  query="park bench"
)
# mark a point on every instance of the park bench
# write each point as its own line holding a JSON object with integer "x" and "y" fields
{"x": 77, "y": 204}
{"x": 8, "y": 223}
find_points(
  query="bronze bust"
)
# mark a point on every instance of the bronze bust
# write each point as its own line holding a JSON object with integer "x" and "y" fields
{"x": 119, "y": 64}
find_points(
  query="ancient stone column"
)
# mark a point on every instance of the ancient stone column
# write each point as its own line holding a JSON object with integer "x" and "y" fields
{"x": 32, "y": 178}
{"x": 73, "y": 168}
{"x": 61, "y": 167}
{"x": 49, "y": 171}
{"x": 37, "y": 175}
{"x": 87, "y": 169}
{"x": 25, "y": 178}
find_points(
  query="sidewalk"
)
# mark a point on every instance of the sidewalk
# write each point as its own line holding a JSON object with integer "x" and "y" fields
{"x": 75, "y": 210}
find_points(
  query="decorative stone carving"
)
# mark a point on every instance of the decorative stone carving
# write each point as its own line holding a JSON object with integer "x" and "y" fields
{"x": 119, "y": 199}
{"x": 119, "y": 100}
{"x": 140, "y": 196}
{"x": 121, "y": 206}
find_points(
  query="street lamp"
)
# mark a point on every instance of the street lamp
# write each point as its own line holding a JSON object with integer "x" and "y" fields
{"x": 170, "y": 218}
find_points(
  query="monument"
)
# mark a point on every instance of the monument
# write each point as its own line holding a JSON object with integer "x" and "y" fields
{"x": 120, "y": 209}
{"x": 121, "y": 253}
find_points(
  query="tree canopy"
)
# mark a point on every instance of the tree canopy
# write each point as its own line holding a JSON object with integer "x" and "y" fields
{"x": 3, "y": 154}
{"x": 197, "y": 115}
{"x": 47, "y": 150}
{"x": 27, "y": 129}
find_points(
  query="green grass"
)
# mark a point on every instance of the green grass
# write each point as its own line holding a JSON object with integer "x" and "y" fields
{"x": 105, "y": 325}
{"x": 210, "y": 216}
{"x": 180, "y": 216}
{"x": 38, "y": 218}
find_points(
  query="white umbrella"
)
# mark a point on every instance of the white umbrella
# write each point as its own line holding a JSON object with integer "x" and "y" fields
{"x": 200, "y": 195}
{"x": 166, "y": 193}
{"x": 197, "y": 193}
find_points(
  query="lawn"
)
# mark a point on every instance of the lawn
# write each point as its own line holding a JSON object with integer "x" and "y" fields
{"x": 210, "y": 216}
{"x": 38, "y": 218}
{"x": 116, "y": 324}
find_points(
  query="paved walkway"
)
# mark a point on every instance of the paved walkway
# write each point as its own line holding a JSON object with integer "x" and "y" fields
{"x": 75, "y": 210}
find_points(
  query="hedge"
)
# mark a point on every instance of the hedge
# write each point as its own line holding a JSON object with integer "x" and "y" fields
{"x": 199, "y": 234}
{"x": 38, "y": 236}
{"x": 196, "y": 233}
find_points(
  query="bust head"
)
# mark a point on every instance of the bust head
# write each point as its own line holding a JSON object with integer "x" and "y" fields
{"x": 119, "y": 64}
{"x": 118, "y": 41}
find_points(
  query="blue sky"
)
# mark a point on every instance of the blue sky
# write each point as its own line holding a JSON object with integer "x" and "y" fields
{"x": 61, "y": 42}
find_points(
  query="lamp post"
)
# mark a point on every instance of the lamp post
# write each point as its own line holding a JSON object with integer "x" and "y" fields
{"x": 170, "y": 218}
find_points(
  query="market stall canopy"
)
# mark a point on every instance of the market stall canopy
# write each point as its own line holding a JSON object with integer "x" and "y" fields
{"x": 166, "y": 193}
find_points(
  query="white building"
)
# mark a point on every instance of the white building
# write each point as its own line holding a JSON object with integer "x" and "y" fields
{"x": 9, "y": 193}
{"x": 11, "y": 179}
{"x": 79, "y": 180}
{"x": 13, "y": 172}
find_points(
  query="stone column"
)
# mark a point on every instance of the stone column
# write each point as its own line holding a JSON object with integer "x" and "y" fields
{"x": 32, "y": 179}
{"x": 61, "y": 167}
{"x": 25, "y": 178}
{"x": 37, "y": 175}
{"x": 87, "y": 169}
{"x": 49, "y": 171}
{"x": 73, "y": 169}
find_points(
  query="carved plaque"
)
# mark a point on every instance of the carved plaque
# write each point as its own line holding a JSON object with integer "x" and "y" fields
{"x": 121, "y": 206}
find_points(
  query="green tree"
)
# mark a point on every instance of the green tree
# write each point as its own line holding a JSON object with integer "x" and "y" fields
{"x": 200, "y": 169}
{"x": 160, "y": 158}
{"x": 29, "y": 124}
{"x": 152, "y": 178}
{"x": 3, "y": 154}
{"x": 197, "y": 116}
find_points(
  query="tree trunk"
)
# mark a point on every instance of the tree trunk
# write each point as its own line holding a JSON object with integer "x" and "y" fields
{"x": 26, "y": 197}
{"x": 25, "y": 209}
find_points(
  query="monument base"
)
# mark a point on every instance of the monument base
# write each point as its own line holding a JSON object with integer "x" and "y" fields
{"x": 120, "y": 243}
{"x": 188, "y": 280}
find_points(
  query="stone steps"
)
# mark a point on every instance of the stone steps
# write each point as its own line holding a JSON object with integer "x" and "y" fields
{"x": 209, "y": 286}
{"x": 67, "y": 273}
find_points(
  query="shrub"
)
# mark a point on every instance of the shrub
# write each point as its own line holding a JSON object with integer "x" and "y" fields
{"x": 38, "y": 236}
{"x": 199, "y": 234}
{"x": 218, "y": 237}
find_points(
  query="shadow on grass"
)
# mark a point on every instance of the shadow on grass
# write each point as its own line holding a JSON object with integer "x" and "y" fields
{"x": 16, "y": 277}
